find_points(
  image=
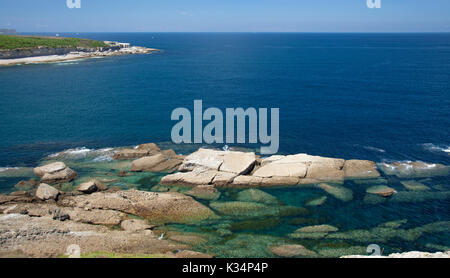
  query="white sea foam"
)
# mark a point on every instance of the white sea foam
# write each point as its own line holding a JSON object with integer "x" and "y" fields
{"x": 99, "y": 155}
{"x": 370, "y": 148}
{"x": 436, "y": 148}
{"x": 4, "y": 169}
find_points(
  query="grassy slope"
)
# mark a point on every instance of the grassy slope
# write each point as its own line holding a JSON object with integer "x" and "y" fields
{"x": 13, "y": 42}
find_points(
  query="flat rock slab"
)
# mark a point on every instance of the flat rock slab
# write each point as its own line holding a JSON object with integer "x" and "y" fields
{"x": 359, "y": 169}
{"x": 225, "y": 161}
{"x": 168, "y": 207}
{"x": 44, "y": 237}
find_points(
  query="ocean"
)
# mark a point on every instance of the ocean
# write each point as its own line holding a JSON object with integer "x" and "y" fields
{"x": 381, "y": 97}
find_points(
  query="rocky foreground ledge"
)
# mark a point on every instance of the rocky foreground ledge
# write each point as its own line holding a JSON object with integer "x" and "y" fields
{"x": 42, "y": 221}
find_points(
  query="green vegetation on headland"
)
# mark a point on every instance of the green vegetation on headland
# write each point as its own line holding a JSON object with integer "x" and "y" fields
{"x": 9, "y": 42}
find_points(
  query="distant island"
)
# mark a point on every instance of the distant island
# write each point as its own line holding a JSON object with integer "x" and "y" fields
{"x": 16, "y": 49}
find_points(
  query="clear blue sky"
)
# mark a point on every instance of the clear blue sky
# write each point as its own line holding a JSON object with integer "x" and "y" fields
{"x": 226, "y": 16}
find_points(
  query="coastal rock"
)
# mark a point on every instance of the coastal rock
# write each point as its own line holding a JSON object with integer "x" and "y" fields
{"x": 45, "y": 237}
{"x": 381, "y": 190}
{"x": 168, "y": 207}
{"x": 246, "y": 181}
{"x": 91, "y": 187}
{"x": 205, "y": 192}
{"x": 271, "y": 159}
{"x": 56, "y": 172}
{"x": 64, "y": 175}
{"x": 280, "y": 169}
{"x": 292, "y": 250}
{"x": 135, "y": 225}
{"x": 147, "y": 163}
{"x": 223, "y": 178}
{"x": 193, "y": 178}
{"x": 49, "y": 169}
{"x": 357, "y": 169}
{"x": 225, "y": 161}
{"x": 413, "y": 169}
{"x": 279, "y": 181}
{"x": 166, "y": 161}
{"x": 46, "y": 192}
{"x": 128, "y": 154}
{"x": 152, "y": 148}
{"x": 95, "y": 216}
{"x": 258, "y": 196}
{"x": 325, "y": 172}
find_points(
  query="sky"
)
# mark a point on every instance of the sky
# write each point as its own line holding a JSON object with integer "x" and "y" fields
{"x": 225, "y": 16}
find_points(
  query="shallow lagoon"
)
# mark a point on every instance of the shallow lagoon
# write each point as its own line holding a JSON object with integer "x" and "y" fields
{"x": 412, "y": 219}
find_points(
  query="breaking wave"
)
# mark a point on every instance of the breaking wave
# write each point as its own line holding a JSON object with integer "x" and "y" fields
{"x": 437, "y": 148}
{"x": 97, "y": 155}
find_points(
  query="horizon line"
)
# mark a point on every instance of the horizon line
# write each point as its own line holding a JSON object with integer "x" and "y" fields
{"x": 250, "y": 32}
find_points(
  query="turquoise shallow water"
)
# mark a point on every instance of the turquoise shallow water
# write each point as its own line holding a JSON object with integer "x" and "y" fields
{"x": 419, "y": 219}
{"x": 366, "y": 96}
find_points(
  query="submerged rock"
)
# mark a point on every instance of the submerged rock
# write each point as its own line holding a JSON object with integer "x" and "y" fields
{"x": 419, "y": 196}
{"x": 317, "y": 201}
{"x": 317, "y": 229}
{"x": 414, "y": 185}
{"x": 205, "y": 192}
{"x": 381, "y": 190}
{"x": 245, "y": 209}
{"x": 339, "y": 192}
{"x": 394, "y": 224}
{"x": 56, "y": 172}
{"x": 26, "y": 185}
{"x": 46, "y": 192}
{"x": 258, "y": 196}
{"x": 188, "y": 254}
{"x": 313, "y": 232}
{"x": 292, "y": 250}
{"x": 339, "y": 252}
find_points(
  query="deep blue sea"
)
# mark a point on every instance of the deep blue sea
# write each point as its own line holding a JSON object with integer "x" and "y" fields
{"x": 382, "y": 97}
{"x": 367, "y": 96}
